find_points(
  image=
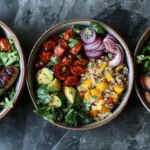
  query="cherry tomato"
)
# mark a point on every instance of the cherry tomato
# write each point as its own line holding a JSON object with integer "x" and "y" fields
{"x": 66, "y": 61}
{"x": 4, "y": 44}
{"x": 75, "y": 49}
{"x": 72, "y": 81}
{"x": 111, "y": 100}
{"x": 63, "y": 43}
{"x": 49, "y": 46}
{"x": 69, "y": 34}
{"x": 60, "y": 73}
{"x": 45, "y": 56}
{"x": 40, "y": 65}
{"x": 82, "y": 62}
{"x": 59, "y": 51}
{"x": 77, "y": 70}
{"x": 55, "y": 38}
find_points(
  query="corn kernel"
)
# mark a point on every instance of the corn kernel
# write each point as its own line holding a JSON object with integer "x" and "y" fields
{"x": 108, "y": 77}
{"x": 115, "y": 96}
{"x": 87, "y": 95}
{"x": 118, "y": 68}
{"x": 118, "y": 89}
{"x": 95, "y": 91}
{"x": 88, "y": 83}
{"x": 102, "y": 86}
{"x": 104, "y": 65}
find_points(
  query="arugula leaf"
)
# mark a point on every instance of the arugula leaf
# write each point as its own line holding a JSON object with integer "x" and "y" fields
{"x": 73, "y": 42}
{"x": 64, "y": 69}
{"x": 87, "y": 31}
{"x": 97, "y": 27}
{"x": 43, "y": 95}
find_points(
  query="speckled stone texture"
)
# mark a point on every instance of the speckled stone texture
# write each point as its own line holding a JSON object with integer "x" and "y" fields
{"x": 22, "y": 129}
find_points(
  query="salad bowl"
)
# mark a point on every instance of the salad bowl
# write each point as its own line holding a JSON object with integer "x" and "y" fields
{"x": 56, "y": 30}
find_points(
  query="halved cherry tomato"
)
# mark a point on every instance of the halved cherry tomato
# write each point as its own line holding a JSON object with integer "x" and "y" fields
{"x": 55, "y": 38}
{"x": 63, "y": 43}
{"x": 40, "y": 64}
{"x": 72, "y": 81}
{"x": 111, "y": 100}
{"x": 82, "y": 62}
{"x": 60, "y": 73}
{"x": 49, "y": 46}
{"x": 4, "y": 44}
{"x": 66, "y": 61}
{"x": 69, "y": 34}
{"x": 45, "y": 56}
{"x": 59, "y": 51}
{"x": 75, "y": 49}
{"x": 77, "y": 70}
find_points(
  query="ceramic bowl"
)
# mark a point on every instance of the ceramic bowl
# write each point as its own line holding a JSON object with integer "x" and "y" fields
{"x": 139, "y": 90}
{"x": 31, "y": 83}
{"x": 21, "y": 79}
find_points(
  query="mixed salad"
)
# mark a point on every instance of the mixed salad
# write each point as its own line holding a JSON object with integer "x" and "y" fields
{"x": 9, "y": 66}
{"x": 144, "y": 62}
{"x": 81, "y": 75}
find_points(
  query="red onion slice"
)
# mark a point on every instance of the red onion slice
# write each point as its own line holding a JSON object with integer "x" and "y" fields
{"x": 94, "y": 45}
{"x": 119, "y": 56}
{"x": 88, "y": 38}
{"x": 110, "y": 39}
{"x": 95, "y": 54}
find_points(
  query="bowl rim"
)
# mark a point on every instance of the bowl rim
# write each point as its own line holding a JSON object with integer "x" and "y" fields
{"x": 127, "y": 98}
{"x": 141, "y": 41}
{"x": 22, "y": 83}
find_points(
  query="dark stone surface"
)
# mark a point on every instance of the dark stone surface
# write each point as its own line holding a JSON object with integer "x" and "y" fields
{"x": 22, "y": 129}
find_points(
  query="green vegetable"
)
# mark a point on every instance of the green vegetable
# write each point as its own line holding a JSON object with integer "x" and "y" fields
{"x": 77, "y": 28}
{"x": 73, "y": 42}
{"x": 79, "y": 56}
{"x": 144, "y": 58}
{"x": 87, "y": 31}
{"x": 97, "y": 27}
{"x": 53, "y": 61}
{"x": 7, "y": 100}
{"x": 94, "y": 97}
{"x": 64, "y": 69}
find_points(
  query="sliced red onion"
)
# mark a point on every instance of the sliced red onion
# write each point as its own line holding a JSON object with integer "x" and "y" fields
{"x": 96, "y": 44}
{"x": 94, "y": 54}
{"x": 88, "y": 38}
{"x": 119, "y": 56}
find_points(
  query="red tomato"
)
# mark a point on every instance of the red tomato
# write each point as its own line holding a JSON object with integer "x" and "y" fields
{"x": 40, "y": 64}
{"x": 55, "y": 38}
{"x": 82, "y": 62}
{"x": 59, "y": 51}
{"x": 72, "y": 81}
{"x": 45, "y": 56}
{"x": 111, "y": 100}
{"x": 49, "y": 46}
{"x": 75, "y": 49}
{"x": 77, "y": 70}
{"x": 63, "y": 43}
{"x": 4, "y": 44}
{"x": 69, "y": 34}
{"x": 60, "y": 73}
{"x": 66, "y": 61}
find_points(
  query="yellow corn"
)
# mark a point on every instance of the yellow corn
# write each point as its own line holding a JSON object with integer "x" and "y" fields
{"x": 95, "y": 91}
{"x": 118, "y": 68}
{"x": 115, "y": 96}
{"x": 108, "y": 77}
{"x": 102, "y": 102}
{"x": 87, "y": 95}
{"x": 102, "y": 86}
{"x": 86, "y": 73}
{"x": 88, "y": 83}
{"x": 104, "y": 65}
{"x": 118, "y": 89}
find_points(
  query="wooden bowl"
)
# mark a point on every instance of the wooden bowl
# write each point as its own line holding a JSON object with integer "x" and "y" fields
{"x": 137, "y": 70}
{"x": 31, "y": 83}
{"x": 21, "y": 79}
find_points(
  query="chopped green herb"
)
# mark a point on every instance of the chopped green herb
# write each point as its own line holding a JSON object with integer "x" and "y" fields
{"x": 64, "y": 69}
{"x": 69, "y": 56}
{"x": 88, "y": 31}
{"x": 95, "y": 97}
{"x": 73, "y": 42}
{"x": 97, "y": 27}
{"x": 79, "y": 56}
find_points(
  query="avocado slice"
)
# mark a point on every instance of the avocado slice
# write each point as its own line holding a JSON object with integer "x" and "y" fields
{"x": 56, "y": 102}
{"x": 55, "y": 85}
{"x": 70, "y": 93}
{"x": 44, "y": 76}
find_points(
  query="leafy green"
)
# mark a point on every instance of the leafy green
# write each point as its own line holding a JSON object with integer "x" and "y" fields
{"x": 97, "y": 27}
{"x": 7, "y": 100}
{"x": 73, "y": 42}
{"x": 43, "y": 95}
{"x": 144, "y": 58}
